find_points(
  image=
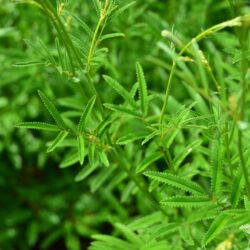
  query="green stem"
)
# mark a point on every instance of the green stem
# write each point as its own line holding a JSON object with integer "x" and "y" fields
{"x": 93, "y": 44}
{"x": 231, "y": 23}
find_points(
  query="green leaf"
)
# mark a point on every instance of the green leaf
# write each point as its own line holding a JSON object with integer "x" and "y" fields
{"x": 186, "y": 234}
{"x": 69, "y": 160}
{"x": 123, "y": 8}
{"x": 186, "y": 201}
{"x": 81, "y": 148}
{"x": 52, "y": 110}
{"x": 83, "y": 24}
{"x": 112, "y": 35}
{"x": 112, "y": 242}
{"x": 99, "y": 179}
{"x": 175, "y": 181}
{"x": 60, "y": 54}
{"x": 129, "y": 234}
{"x": 148, "y": 160}
{"x": 86, "y": 114}
{"x": 121, "y": 109}
{"x": 216, "y": 159}
{"x": 38, "y": 125}
{"x": 216, "y": 227}
{"x": 60, "y": 137}
{"x": 103, "y": 158}
{"x": 85, "y": 172}
{"x": 146, "y": 221}
{"x": 143, "y": 94}
{"x": 29, "y": 63}
{"x": 204, "y": 213}
{"x": 131, "y": 137}
{"x": 97, "y": 5}
{"x": 120, "y": 90}
{"x": 236, "y": 189}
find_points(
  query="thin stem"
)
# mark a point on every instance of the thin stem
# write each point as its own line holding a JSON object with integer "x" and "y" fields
{"x": 93, "y": 44}
{"x": 231, "y": 23}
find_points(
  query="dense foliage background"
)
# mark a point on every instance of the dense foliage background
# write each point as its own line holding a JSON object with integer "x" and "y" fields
{"x": 43, "y": 207}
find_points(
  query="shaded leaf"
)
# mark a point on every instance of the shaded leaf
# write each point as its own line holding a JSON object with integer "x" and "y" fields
{"x": 148, "y": 160}
{"x": 120, "y": 90}
{"x": 38, "y": 125}
{"x": 143, "y": 94}
{"x": 86, "y": 114}
{"x": 52, "y": 110}
{"x": 81, "y": 148}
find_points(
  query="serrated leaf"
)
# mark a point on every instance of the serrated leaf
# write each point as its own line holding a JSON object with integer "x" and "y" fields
{"x": 38, "y": 125}
{"x": 112, "y": 35}
{"x": 204, "y": 213}
{"x": 143, "y": 92}
{"x": 131, "y": 137}
{"x": 148, "y": 160}
{"x": 52, "y": 110}
{"x": 175, "y": 181}
{"x": 121, "y": 109}
{"x": 86, "y": 114}
{"x": 216, "y": 227}
{"x": 216, "y": 159}
{"x": 236, "y": 189}
{"x": 60, "y": 137}
{"x": 81, "y": 148}
{"x": 69, "y": 160}
{"x": 120, "y": 90}
{"x": 186, "y": 201}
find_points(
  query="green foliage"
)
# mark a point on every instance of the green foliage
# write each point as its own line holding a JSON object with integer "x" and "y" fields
{"x": 153, "y": 157}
